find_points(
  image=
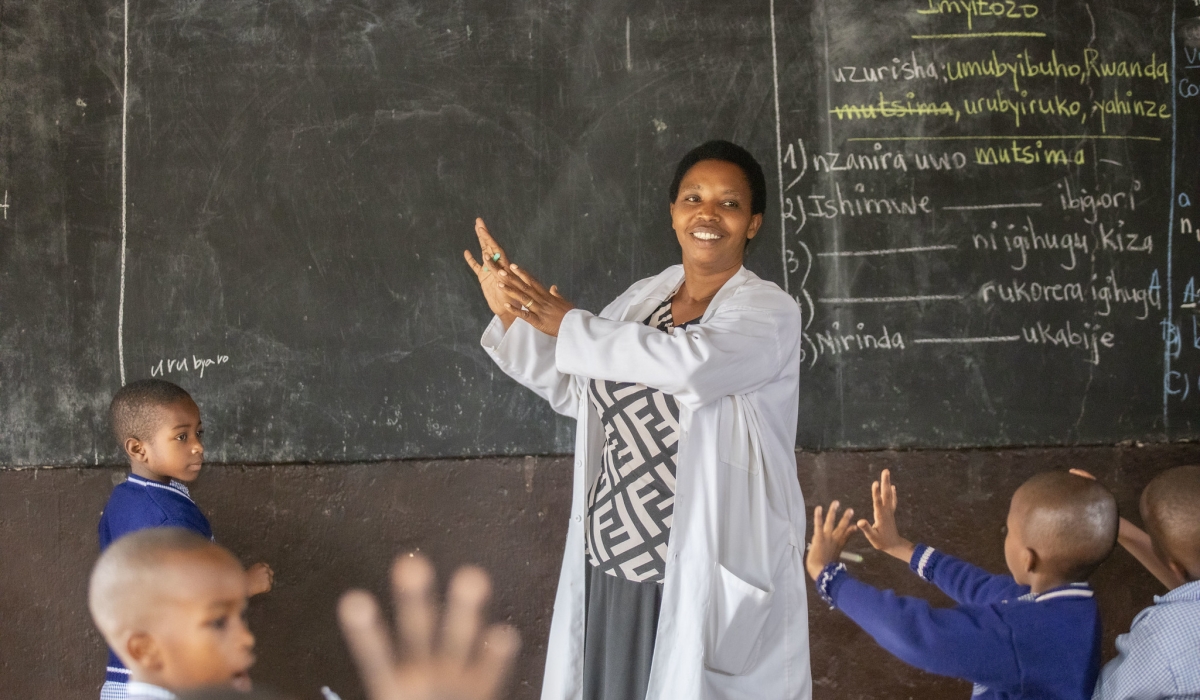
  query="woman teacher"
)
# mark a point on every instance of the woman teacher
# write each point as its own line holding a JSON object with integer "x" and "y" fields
{"x": 683, "y": 575}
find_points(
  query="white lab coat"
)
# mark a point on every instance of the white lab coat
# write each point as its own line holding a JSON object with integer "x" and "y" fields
{"x": 734, "y": 616}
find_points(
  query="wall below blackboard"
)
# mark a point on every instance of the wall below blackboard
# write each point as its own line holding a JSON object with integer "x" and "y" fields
{"x": 328, "y": 527}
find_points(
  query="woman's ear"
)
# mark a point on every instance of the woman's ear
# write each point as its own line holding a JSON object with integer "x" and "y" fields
{"x": 755, "y": 225}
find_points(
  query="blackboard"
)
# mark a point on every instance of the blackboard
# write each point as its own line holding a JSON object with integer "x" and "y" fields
{"x": 267, "y": 201}
{"x": 986, "y": 205}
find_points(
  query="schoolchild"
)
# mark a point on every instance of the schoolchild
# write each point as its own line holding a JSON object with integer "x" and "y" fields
{"x": 1160, "y": 655}
{"x": 158, "y": 426}
{"x": 1032, "y": 634}
{"x": 171, "y": 604}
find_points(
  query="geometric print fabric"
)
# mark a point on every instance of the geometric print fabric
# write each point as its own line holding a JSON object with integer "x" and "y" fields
{"x": 631, "y": 503}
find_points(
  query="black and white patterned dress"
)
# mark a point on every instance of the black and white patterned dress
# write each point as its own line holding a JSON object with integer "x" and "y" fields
{"x": 628, "y": 526}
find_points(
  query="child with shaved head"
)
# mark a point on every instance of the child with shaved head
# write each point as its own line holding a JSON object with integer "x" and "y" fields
{"x": 1033, "y": 634}
{"x": 158, "y": 426}
{"x": 170, "y": 603}
{"x": 1160, "y": 655}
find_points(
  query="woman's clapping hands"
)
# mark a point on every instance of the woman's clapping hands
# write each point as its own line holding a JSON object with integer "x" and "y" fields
{"x": 495, "y": 261}
{"x": 512, "y": 292}
{"x": 540, "y": 307}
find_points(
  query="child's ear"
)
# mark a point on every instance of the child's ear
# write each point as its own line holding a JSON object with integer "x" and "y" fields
{"x": 136, "y": 450}
{"x": 1030, "y": 561}
{"x": 144, "y": 651}
{"x": 1179, "y": 569}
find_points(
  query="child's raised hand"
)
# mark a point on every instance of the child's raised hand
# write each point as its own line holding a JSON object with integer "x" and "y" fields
{"x": 828, "y": 539}
{"x": 458, "y": 659}
{"x": 883, "y": 534}
{"x": 260, "y": 578}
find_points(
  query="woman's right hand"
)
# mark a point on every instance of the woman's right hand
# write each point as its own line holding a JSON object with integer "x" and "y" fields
{"x": 494, "y": 260}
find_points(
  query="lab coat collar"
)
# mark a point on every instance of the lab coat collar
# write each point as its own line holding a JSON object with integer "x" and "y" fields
{"x": 667, "y": 282}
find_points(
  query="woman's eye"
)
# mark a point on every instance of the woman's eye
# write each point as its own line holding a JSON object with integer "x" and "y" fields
{"x": 220, "y": 623}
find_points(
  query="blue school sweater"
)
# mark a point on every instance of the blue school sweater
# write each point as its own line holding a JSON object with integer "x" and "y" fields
{"x": 137, "y": 504}
{"x": 1009, "y": 643}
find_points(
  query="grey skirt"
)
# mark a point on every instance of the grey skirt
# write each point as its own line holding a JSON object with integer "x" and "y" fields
{"x": 618, "y": 645}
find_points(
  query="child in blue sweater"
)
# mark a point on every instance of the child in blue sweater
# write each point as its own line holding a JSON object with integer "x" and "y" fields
{"x": 1034, "y": 634}
{"x": 158, "y": 426}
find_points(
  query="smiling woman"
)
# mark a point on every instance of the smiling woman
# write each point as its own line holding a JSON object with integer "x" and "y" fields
{"x": 682, "y": 576}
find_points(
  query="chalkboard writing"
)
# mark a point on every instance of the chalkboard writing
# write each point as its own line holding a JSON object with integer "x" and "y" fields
{"x": 984, "y": 209}
{"x": 978, "y": 220}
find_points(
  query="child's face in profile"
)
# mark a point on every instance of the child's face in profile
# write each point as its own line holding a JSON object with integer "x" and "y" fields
{"x": 201, "y": 638}
{"x": 175, "y": 450}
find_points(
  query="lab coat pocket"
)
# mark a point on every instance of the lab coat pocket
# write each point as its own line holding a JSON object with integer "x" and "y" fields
{"x": 737, "y": 614}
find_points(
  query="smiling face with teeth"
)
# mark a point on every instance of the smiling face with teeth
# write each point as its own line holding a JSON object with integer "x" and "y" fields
{"x": 712, "y": 216}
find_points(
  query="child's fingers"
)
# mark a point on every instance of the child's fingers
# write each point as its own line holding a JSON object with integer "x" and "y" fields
{"x": 469, "y": 590}
{"x": 845, "y": 525}
{"x": 886, "y": 489}
{"x": 362, "y": 626}
{"x": 818, "y": 521}
{"x": 416, "y": 614}
{"x": 500, "y": 646}
{"x": 831, "y": 517}
{"x": 1084, "y": 474}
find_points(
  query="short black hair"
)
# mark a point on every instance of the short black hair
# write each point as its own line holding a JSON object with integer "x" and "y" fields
{"x": 1171, "y": 510}
{"x": 730, "y": 153}
{"x": 134, "y": 409}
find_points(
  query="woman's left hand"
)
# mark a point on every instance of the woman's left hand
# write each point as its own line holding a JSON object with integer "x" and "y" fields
{"x": 540, "y": 307}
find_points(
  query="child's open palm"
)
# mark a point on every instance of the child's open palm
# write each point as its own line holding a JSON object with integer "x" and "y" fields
{"x": 883, "y": 534}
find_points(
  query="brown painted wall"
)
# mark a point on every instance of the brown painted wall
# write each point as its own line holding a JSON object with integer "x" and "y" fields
{"x": 325, "y": 528}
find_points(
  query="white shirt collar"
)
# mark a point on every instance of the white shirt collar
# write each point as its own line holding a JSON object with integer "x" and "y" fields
{"x": 175, "y": 485}
{"x": 138, "y": 689}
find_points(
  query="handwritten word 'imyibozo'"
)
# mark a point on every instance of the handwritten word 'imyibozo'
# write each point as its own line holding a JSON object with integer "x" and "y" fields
{"x": 1008, "y": 9}
{"x": 1105, "y": 296}
{"x": 198, "y": 364}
